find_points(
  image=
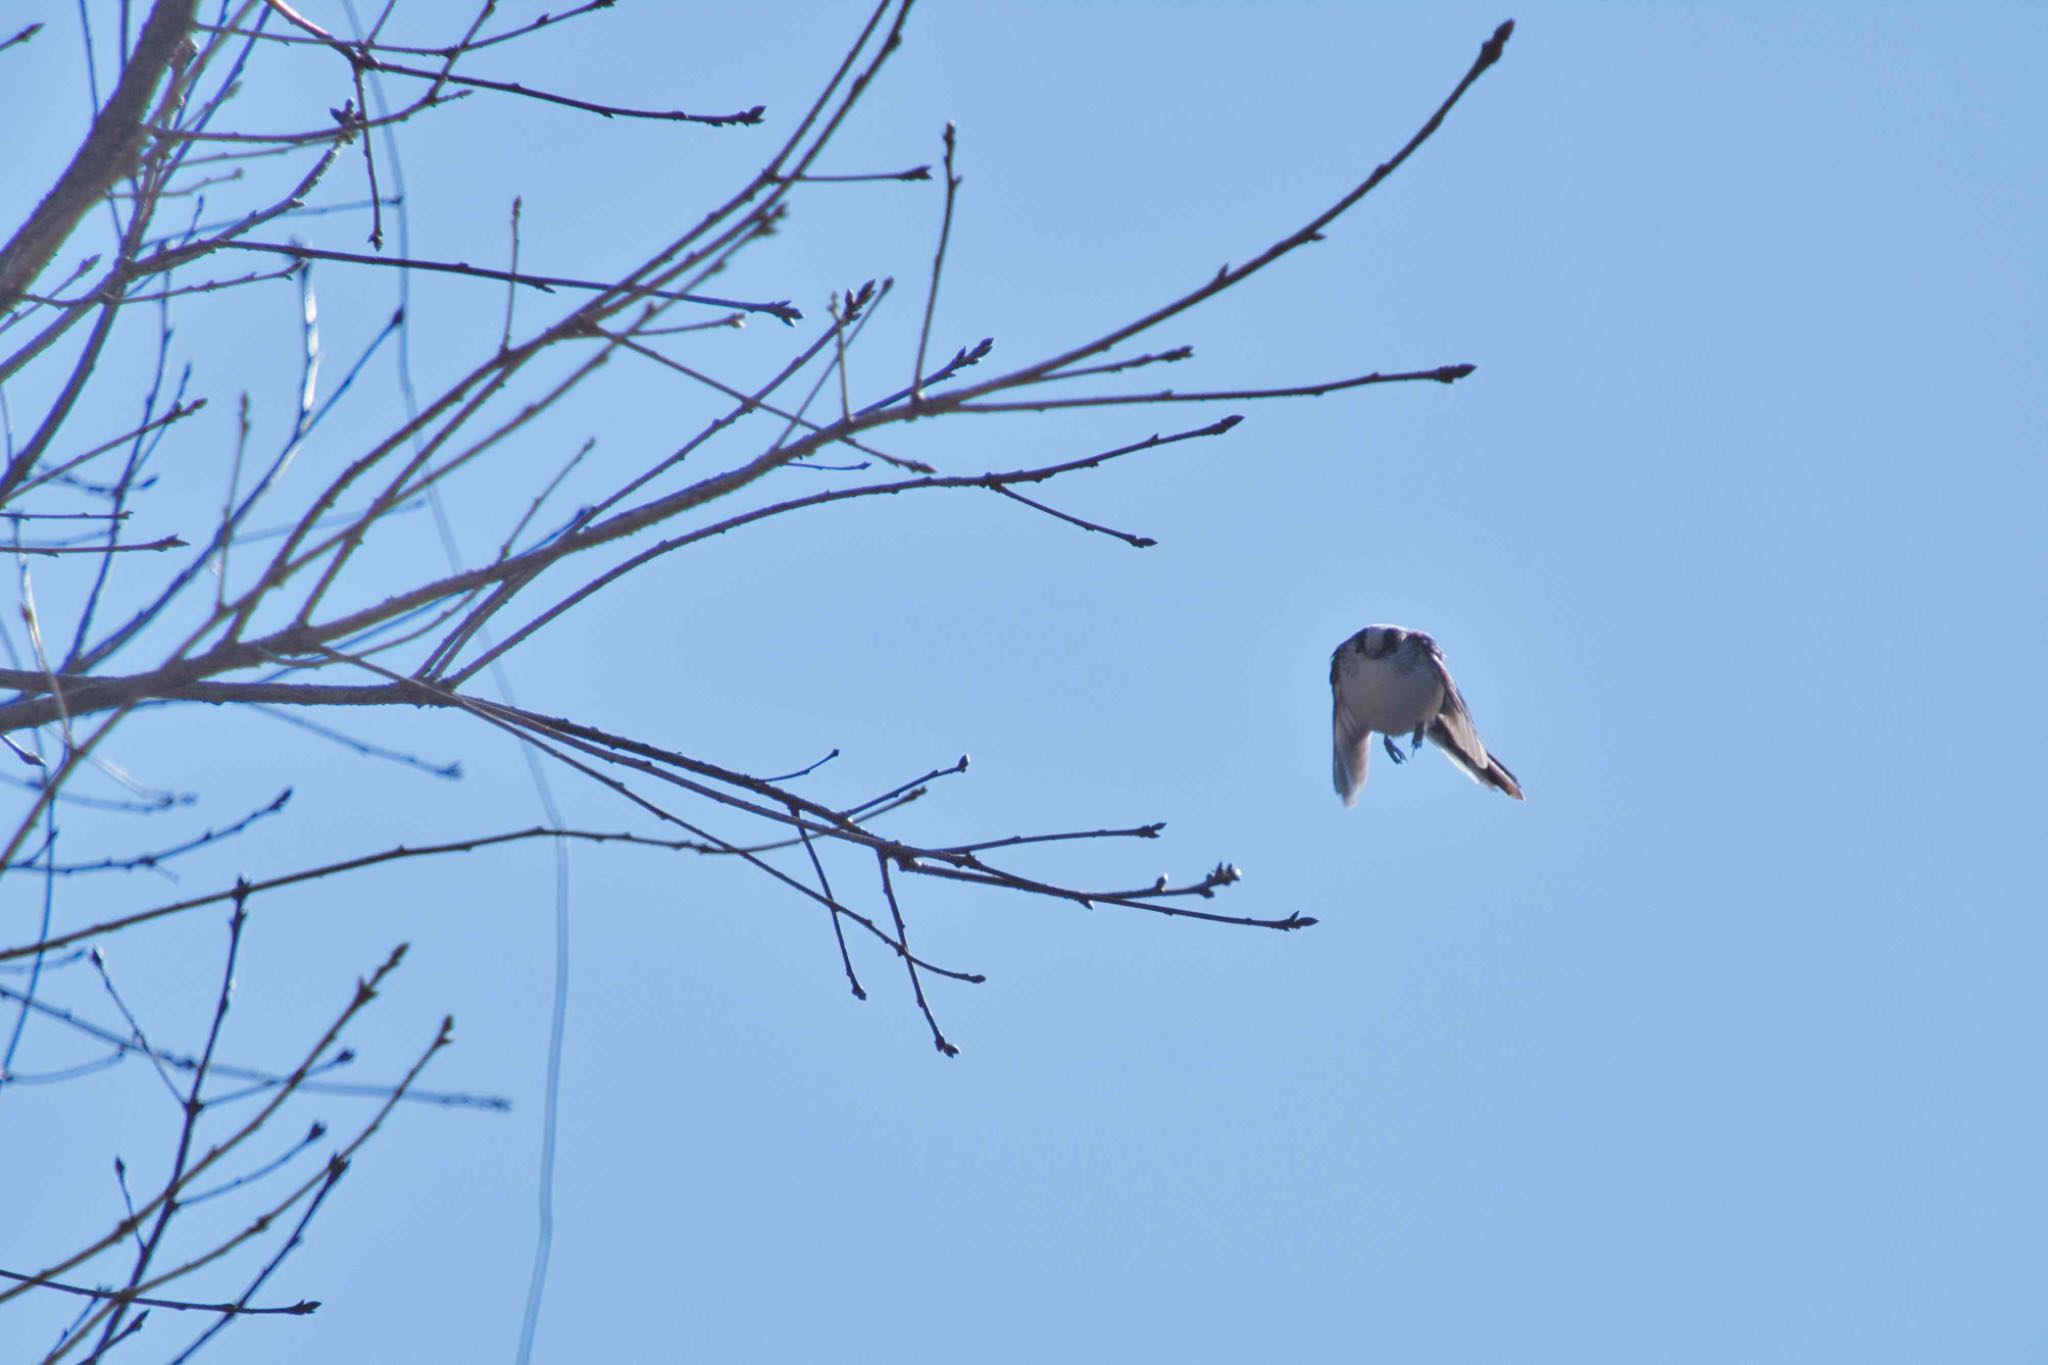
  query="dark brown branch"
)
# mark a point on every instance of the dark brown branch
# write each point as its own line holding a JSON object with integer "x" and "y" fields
{"x": 163, "y": 855}
{"x": 825, "y": 885}
{"x": 26, "y": 456}
{"x": 176, "y": 413}
{"x": 335, "y": 1165}
{"x": 747, "y": 404}
{"x": 335, "y": 869}
{"x": 137, "y": 1040}
{"x": 914, "y": 173}
{"x": 547, "y": 284}
{"x": 1216, "y": 428}
{"x": 165, "y": 543}
{"x": 867, "y": 807}
{"x": 369, "y": 145}
{"x": 742, "y": 117}
{"x": 78, "y": 272}
{"x": 931, "y": 298}
{"x": 963, "y": 358}
{"x": 731, "y": 320}
{"x": 363, "y": 57}
{"x": 300, "y": 1308}
{"x": 217, "y": 648}
{"x": 667, "y": 265}
{"x": 1442, "y": 374}
{"x": 314, "y": 1132}
{"x": 108, "y": 153}
{"x": 655, "y": 762}
{"x": 167, "y": 1206}
{"x": 626, "y": 753}
{"x": 186, "y": 189}
{"x": 457, "y": 50}
{"x": 916, "y": 986}
{"x": 205, "y": 287}
{"x": 1312, "y": 231}
{"x": 169, "y": 257}
{"x": 1135, "y": 542}
{"x": 106, "y": 299}
{"x": 365, "y": 992}
{"x": 258, "y": 1080}
{"x": 758, "y": 404}
{"x": 352, "y": 125}
{"x": 335, "y": 1170}
{"x": 1174, "y": 356}
{"x": 1150, "y": 831}
{"x": 1010, "y": 882}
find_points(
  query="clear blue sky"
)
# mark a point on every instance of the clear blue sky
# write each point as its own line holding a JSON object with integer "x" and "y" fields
{"x": 1726, "y": 1045}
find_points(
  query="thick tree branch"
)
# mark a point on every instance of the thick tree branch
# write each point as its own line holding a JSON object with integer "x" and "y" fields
{"x": 107, "y": 154}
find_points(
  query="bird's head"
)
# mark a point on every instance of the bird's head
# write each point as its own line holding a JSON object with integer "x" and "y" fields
{"x": 1377, "y": 642}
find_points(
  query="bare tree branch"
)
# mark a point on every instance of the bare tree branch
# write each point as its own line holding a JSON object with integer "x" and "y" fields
{"x": 107, "y": 154}
{"x": 296, "y": 584}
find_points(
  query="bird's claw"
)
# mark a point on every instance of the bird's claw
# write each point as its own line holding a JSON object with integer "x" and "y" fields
{"x": 1393, "y": 749}
{"x": 1415, "y": 743}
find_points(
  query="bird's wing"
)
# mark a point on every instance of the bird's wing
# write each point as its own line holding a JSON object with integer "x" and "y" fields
{"x": 1453, "y": 732}
{"x": 1350, "y": 748}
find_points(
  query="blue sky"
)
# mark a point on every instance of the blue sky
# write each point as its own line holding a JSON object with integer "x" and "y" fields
{"x": 1725, "y": 1045}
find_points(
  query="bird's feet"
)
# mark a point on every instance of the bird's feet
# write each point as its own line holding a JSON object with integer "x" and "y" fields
{"x": 1393, "y": 749}
{"x": 1415, "y": 742}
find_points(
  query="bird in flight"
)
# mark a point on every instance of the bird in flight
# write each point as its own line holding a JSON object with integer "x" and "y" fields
{"x": 1392, "y": 681}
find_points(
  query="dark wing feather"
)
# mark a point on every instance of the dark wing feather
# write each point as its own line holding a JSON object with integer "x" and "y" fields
{"x": 1349, "y": 747}
{"x": 1453, "y": 732}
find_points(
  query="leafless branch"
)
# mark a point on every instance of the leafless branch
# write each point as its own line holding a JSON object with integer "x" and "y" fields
{"x": 300, "y": 1308}
{"x": 21, "y": 36}
{"x": 931, "y": 298}
{"x": 295, "y": 585}
{"x": 547, "y": 284}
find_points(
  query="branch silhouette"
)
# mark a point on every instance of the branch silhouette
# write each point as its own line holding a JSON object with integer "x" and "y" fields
{"x": 351, "y": 552}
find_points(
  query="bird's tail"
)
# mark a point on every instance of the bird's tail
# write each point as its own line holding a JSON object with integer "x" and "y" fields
{"x": 1347, "y": 772}
{"x": 1471, "y": 757}
{"x": 1499, "y": 778}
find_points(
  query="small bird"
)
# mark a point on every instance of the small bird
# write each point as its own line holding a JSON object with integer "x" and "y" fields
{"x": 1393, "y": 680}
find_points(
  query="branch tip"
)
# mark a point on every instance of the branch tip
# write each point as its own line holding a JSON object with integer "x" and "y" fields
{"x": 1490, "y": 53}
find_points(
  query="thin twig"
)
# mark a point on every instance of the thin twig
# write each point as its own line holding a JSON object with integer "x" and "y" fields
{"x": 914, "y": 173}
{"x": 547, "y": 284}
{"x": 916, "y": 986}
{"x": 161, "y": 543}
{"x": 461, "y": 49}
{"x": 1442, "y": 374}
{"x": 1136, "y": 542}
{"x": 162, "y": 855}
{"x": 345, "y": 865}
{"x": 931, "y": 298}
{"x": 298, "y": 1309}
{"x": 167, "y": 1205}
{"x": 825, "y": 885}
{"x": 365, "y": 991}
{"x": 27, "y": 32}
